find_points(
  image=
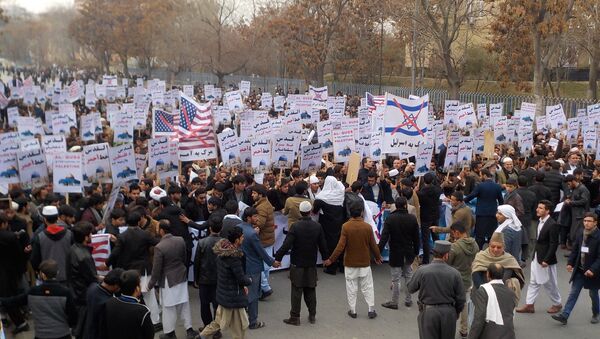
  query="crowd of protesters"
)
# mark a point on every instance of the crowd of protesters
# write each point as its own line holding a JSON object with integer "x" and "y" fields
{"x": 499, "y": 215}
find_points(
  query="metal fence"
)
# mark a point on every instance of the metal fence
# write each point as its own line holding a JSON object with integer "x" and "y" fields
{"x": 511, "y": 102}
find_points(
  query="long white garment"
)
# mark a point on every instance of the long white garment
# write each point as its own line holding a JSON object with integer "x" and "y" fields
{"x": 172, "y": 296}
{"x": 551, "y": 285}
{"x": 539, "y": 274}
{"x": 359, "y": 277}
{"x": 492, "y": 311}
{"x": 170, "y": 316}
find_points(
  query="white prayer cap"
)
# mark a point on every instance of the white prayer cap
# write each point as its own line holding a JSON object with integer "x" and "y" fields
{"x": 305, "y": 207}
{"x": 574, "y": 150}
{"x": 75, "y": 148}
{"x": 156, "y": 193}
{"x": 49, "y": 211}
{"x": 560, "y": 161}
{"x": 507, "y": 159}
{"x": 14, "y": 206}
{"x": 393, "y": 173}
{"x": 410, "y": 164}
{"x": 313, "y": 179}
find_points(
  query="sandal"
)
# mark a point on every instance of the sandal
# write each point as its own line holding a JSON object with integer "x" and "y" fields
{"x": 258, "y": 325}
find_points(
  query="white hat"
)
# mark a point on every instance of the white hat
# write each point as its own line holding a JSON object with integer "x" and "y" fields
{"x": 14, "y": 206}
{"x": 410, "y": 164}
{"x": 507, "y": 159}
{"x": 75, "y": 148}
{"x": 305, "y": 207}
{"x": 313, "y": 179}
{"x": 49, "y": 211}
{"x": 393, "y": 173}
{"x": 156, "y": 193}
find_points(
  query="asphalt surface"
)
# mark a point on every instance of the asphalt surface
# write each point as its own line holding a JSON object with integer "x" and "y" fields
{"x": 333, "y": 322}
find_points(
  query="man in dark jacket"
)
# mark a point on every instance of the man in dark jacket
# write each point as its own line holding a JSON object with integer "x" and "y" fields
{"x": 304, "y": 238}
{"x": 178, "y": 227}
{"x": 205, "y": 271}
{"x": 553, "y": 180}
{"x": 375, "y": 190}
{"x": 401, "y": 231}
{"x": 133, "y": 252}
{"x": 429, "y": 201}
{"x": 126, "y": 317}
{"x": 97, "y": 296}
{"x": 196, "y": 208}
{"x": 489, "y": 196}
{"x": 578, "y": 202}
{"x": 238, "y": 192}
{"x": 541, "y": 192}
{"x": 584, "y": 266}
{"x": 232, "y": 287}
{"x": 82, "y": 270}
{"x": 488, "y": 326}
{"x": 54, "y": 242}
{"x": 51, "y": 303}
{"x": 529, "y": 205}
{"x": 231, "y": 219}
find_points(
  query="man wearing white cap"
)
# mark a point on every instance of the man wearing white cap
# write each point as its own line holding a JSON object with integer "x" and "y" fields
{"x": 314, "y": 187}
{"x": 304, "y": 238}
{"x": 54, "y": 242}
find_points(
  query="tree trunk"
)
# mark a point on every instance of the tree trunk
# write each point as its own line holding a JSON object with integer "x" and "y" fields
{"x": 538, "y": 74}
{"x": 592, "y": 92}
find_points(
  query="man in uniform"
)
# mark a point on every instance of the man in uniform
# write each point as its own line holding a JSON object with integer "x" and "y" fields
{"x": 441, "y": 295}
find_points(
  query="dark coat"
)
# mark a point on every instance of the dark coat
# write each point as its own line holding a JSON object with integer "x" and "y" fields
{"x": 592, "y": 259}
{"x": 429, "y": 202}
{"x": 553, "y": 180}
{"x": 489, "y": 196}
{"x": 228, "y": 225}
{"x": 169, "y": 262}
{"x": 126, "y": 318}
{"x": 205, "y": 261}
{"x": 401, "y": 231}
{"x": 254, "y": 253}
{"x": 10, "y": 253}
{"x": 230, "y": 276}
{"x": 230, "y": 195}
{"x": 304, "y": 238}
{"x": 480, "y": 329}
{"x": 547, "y": 242}
{"x": 82, "y": 271}
{"x": 529, "y": 204}
{"x": 132, "y": 251}
{"x": 97, "y": 296}
{"x": 384, "y": 195}
{"x": 541, "y": 192}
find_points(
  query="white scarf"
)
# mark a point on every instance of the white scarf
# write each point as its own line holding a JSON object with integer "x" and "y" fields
{"x": 511, "y": 221}
{"x": 492, "y": 311}
{"x": 332, "y": 192}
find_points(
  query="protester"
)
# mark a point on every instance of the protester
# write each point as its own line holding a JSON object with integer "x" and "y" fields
{"x": 304, "y": 239}
{"x": 441, "y": 295}
{"x": 489, "y": 196}
{"x": 494, "y": 304}
{"x": 97, "y": 296}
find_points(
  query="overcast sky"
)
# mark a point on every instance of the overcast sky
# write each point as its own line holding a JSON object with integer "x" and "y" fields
{"x": 38, "y": 6}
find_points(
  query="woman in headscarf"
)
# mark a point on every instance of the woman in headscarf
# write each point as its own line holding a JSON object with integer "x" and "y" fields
{"x": 495, "y": 254}
{"x": 510, "y": 227}
{"x": 329, "y": 204}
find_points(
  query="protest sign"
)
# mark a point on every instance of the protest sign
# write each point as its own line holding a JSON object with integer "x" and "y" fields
{"x": 318, "y": 96}
{"x": 465, "y": 116}
{"x": 140, "y": 163}
{"x": 229, "y": 147}
{"x": 375, "y": 145}
{"x": 344, "y": 144}
{"x": 405, "y": 125}
{"x": 122, "y": 162}
{"x": 541, "y": 123}
{"x": 32, "y": 168}
{"x": 284, "y": 150}
{"x": 188, "y": 90}
{"x": 496, "y": 111}
{"x": 234, "y": 100}
{"x": 593, "y": 114}
{"x": 13, "y": 115}
{"x": 87, "y": 129}
{"x": 590, "y": 138}
{"x": 279, "y": 103}
{"x": 209, "y": 92}
{"x": 465, "y": 151}
{"x": 450, "y": 111}
{"x": 325, "y": 135}
{"x": 423, "y": 159}
{"x": 555, "y": 116}
{"x": 573, "y": 129}
{"x": 27, "y": 127}
{"x": 500, "y": 130}
{"x": 67, "y": 173}
{"x": 160, "y": 159}
{"x": 96, "y": 164}
{"x": 52, "y": 145}
{"x": 9, "y": 168}
{"x": 266, "y": 100}
{"x": 245, "y": 88}
{"x": 245, "y": 148}
{"x": 452, "y": 151}
{"x": 261, "y": 154}
{"x": 310, "y": 158}
{"x": 481, "y": 111}
{"x": 29, "y": 144}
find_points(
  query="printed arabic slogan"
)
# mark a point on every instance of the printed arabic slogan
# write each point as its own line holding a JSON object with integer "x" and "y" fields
{"x": 405, "y": 124}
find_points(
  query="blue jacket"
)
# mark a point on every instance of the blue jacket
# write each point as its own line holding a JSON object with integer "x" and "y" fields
{"x": 254, "y": 253}
{"x": 487, "y": 194}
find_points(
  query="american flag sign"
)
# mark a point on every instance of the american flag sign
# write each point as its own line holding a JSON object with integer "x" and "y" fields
{"x": 164, "y": 123}
{"x": 196, "y": 128}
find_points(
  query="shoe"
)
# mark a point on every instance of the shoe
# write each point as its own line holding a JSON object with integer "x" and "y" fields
{"x": 24, "y": 327}
{"x": 352, "y": 314}
{"x": 464, "y": 335}
{"x": 527, "y": 308}
{"x": 390, "y": 305}
{"x": 168, "y": 336}
{"x": 408, "y": 303}
{"x": 191, "y": 333}
{"x": 560, "y": 318}
{"x": 594, "y": 319}
{"x": 217, "y": 335}
{"x": 158, "y": 327}
{"x": 331, "y": 272}
{"x": 258, "y": 325}
{"x": 312, "y": 319}
{"x": 265, "y": 295}
{"x": 554, "y": 309}
{"x": 372, "y": 314}
{"x": 292, "y": 321}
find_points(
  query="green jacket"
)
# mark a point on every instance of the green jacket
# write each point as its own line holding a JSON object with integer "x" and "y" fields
{"x": 461, "y": 256}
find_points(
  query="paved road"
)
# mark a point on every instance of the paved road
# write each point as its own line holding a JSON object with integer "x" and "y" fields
{"x": 332, "y": 321}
